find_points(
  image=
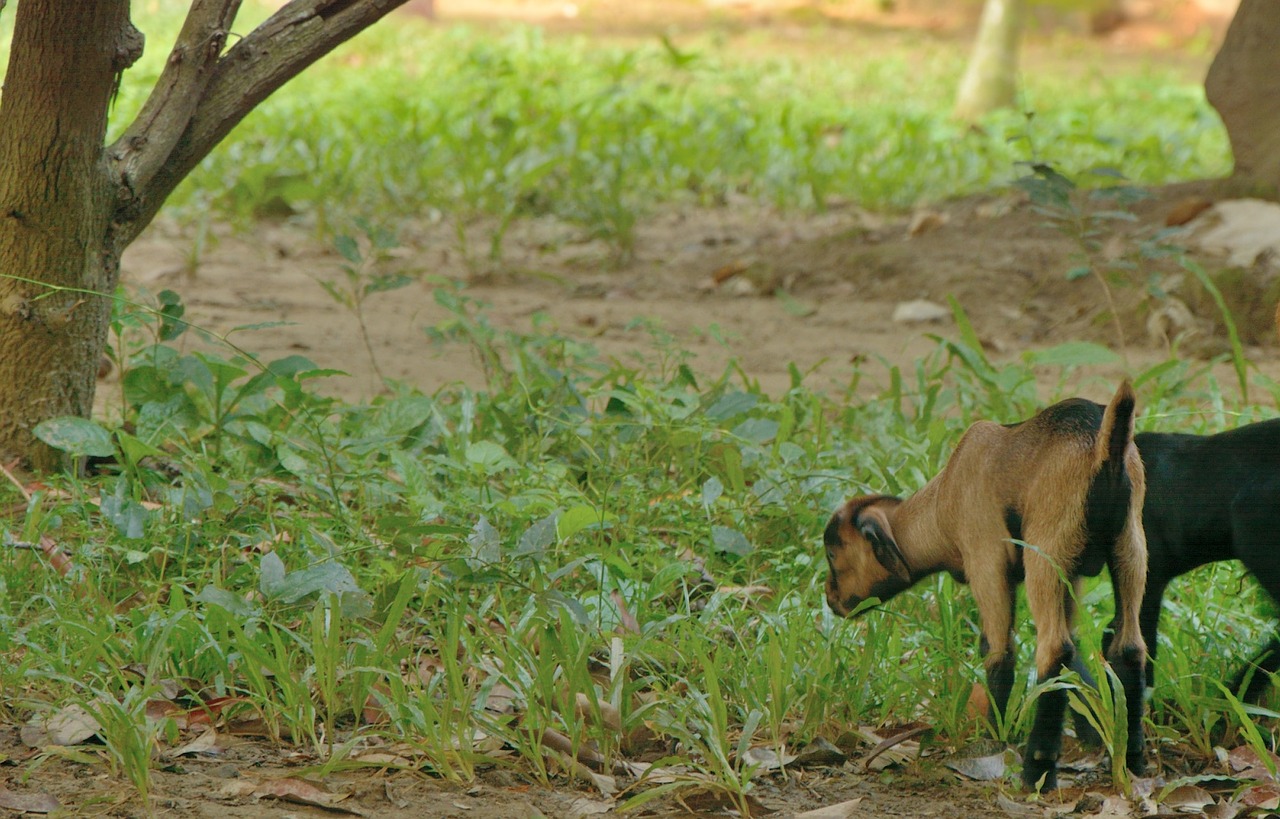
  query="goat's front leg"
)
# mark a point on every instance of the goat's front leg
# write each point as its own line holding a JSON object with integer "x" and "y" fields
{"x": 1253, "y": 524}
{"x": 1051, "y": 609}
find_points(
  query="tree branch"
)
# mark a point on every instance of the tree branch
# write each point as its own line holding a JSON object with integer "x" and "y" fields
{"x": 292, "y": 39}
{"x": 147, "y": 144}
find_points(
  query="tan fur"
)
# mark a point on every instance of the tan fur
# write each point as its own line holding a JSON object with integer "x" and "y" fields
{"x": 957, "y": 523}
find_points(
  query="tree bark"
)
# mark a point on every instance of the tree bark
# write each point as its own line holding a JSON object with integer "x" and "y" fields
{"x": 990, "y": 81}
{"x": 54, "y": 207}
{"x": 1243, "y": 84}
{"x": 69, "y": 205}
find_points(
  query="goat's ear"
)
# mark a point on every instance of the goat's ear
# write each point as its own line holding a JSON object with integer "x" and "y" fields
{"x": 873, "y": 524}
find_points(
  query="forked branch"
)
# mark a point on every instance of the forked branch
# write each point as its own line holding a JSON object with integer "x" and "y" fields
{"x": 203, "y": 94}
{"x": 149, "y": 140}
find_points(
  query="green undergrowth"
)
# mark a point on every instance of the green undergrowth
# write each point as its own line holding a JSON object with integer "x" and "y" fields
{"x": 623, "y": 559}
{"x": 477, "y": 126}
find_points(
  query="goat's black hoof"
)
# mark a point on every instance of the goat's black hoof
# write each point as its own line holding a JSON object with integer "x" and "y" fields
{"x": 1136, "y": 763}
{"x": 1040, "y": 774}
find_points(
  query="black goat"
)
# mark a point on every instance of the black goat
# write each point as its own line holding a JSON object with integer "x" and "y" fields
{"x": 1211, "y": 498}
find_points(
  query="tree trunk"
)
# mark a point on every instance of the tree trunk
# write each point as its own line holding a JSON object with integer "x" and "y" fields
{"x": 991, "y": 79}
{"x": 69, "y": 205}
{"x": 54, "y": 205}
{"x": 1243, "y": 84}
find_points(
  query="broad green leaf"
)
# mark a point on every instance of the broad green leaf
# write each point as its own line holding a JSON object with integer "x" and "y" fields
{"x": 171, "y": 312}
{"x": 577, "y": 518}
{"x": 712, "y": 489}
{"x": 1071, "y": 354}
{"x": 390, "y": 281}
{"x": 756, "y": 430}
{"x": 326, "y": 576}
{"x": 126, "y": 514}
{"x": 489, "y": 456}
{"x": 485, "y": 543}
{"x": 540, "y": 536}
{"x": 76, "y": 436}
{"x": 271, "y": 574}
{"x": 734, "y": 403}
{"x": 233, "y": 603}
{"x": 726, "y": 460}
{"x": 347, "y": 247}
{"x": 730, "y": 540}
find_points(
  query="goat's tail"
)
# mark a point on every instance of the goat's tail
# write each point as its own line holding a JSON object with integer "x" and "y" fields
{"x": 1117, "y": 426}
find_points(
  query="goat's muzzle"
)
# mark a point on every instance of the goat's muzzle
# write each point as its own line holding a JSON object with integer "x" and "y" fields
{"x": 841, "y": 607}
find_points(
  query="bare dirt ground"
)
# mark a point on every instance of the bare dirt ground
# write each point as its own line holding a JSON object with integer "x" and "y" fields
{"x": 712, "y": 280}
{"x": 741, "y": 283}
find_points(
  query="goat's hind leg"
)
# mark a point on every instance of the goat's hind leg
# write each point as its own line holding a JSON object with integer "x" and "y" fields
{"x": 1253, "y": 527}
{"x": 1127, "y": 653}
{"x": 1051, "y": 608}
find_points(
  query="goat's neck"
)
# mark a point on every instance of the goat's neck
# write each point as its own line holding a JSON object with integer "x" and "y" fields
{"x": 918, "y": 530}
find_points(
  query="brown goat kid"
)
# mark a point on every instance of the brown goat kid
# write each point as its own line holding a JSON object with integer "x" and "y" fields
{"x": 1069, "y": 484}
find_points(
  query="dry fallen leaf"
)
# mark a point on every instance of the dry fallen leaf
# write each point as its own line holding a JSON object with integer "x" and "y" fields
{"x": 980, "y": 768}
{"x": 70, "y": 726}
{"x": 1262, "y": 797}
{"x": 302, "y": 792}
{"x": 896, "y": 749}
{"x": 709, "y": 801}
{"x": 820, "y": 753}
{"x": 1018, "y": 809}
{"x": 609, "y": 716}
{"x": 1187, "y": 799}
{"x": 1185, "y": 210}
{"x": 1245, "y": 763}
{"x": 766, "y": 759}
{"x": 206, "y": 743}
{"x": 842, "y": 810}
{"x": 627, "y": 622}
{"x": 723, "y": 273}
{"x": 582, "y": 806}
{"x": 236, "y": 788}
{"x": 923, "y": 221}
{"x": 1224, "y": 810}
{"x": 1115, "y": 807}
{"x": 27, "y": 802}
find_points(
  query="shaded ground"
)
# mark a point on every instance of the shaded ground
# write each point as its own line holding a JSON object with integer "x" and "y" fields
{"x": 245, "y": 780}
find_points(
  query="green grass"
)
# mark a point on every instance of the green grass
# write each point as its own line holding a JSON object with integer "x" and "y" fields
{"x": 455, "y": 573}
{"x": 412, "y": 119}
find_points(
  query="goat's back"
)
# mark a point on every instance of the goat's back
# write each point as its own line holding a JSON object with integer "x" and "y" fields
{"x": 1047, "y": 454}
{"x": 1206, "y": 492}
{"x": 1050, "y": 476}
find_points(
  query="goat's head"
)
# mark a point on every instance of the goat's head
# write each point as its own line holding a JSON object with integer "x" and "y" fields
{"x": 862, "y": 556}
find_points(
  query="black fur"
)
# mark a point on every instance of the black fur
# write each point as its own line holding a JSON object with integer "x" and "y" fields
{"x": 1080, "y": 416}
{"x": 1104, "y": 515}
{"x": 1211, "y": 498}
{"x": 831, "y": 537}
{"x": 1013, "y": 522}
{"x": 1045, "y": 743}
